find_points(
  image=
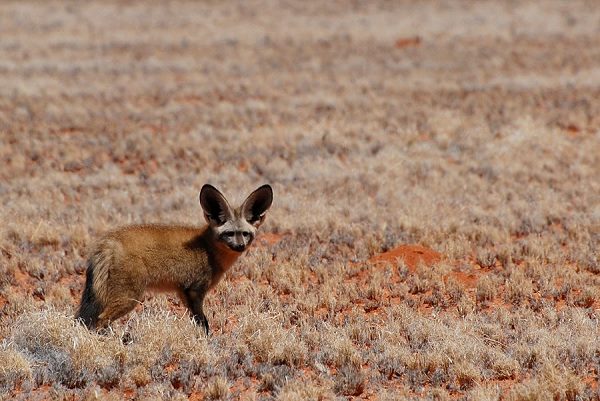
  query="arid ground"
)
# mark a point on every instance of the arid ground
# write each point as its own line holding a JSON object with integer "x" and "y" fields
{"x": 436, "y": 166}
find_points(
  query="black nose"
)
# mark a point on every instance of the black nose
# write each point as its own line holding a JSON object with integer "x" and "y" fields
{"x": 238, "y": 248}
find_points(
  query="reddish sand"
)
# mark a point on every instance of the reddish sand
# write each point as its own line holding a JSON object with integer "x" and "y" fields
{"x": 407, "y": 42}
{"x": 412, "y": 255}
{"x": 467, "y": 280}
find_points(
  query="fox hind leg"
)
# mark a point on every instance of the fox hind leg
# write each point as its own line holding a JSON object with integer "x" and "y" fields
{"x": 115, "y": 309}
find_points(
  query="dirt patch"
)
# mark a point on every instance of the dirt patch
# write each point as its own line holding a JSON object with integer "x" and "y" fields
{"x": 412, "y": 255}
{"x": 467, "y": 280}
{"x": 407, "y": 42}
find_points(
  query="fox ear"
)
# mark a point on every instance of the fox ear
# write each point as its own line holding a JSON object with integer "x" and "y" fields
{"x": 216, "y": 208}
{"x": 256, "y": 205}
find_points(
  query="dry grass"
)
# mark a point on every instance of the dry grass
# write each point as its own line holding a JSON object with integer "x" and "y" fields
{"x": 469, "y": 128}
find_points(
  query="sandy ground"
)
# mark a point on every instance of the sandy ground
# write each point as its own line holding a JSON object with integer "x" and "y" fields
{"x": 436, "y": 165}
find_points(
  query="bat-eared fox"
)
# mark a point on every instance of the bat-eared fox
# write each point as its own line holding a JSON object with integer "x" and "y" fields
{"x": 186, "y": 260}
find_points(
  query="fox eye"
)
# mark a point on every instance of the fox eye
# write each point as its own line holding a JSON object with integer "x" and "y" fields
{"x": 246, "y": 234}
{"x": 229, "y": 234}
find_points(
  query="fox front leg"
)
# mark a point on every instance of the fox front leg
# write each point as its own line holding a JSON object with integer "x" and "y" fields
{"x": 195, "y": 299}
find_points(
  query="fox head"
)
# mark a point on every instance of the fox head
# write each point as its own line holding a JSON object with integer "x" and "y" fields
{"x": 235, "y": 228}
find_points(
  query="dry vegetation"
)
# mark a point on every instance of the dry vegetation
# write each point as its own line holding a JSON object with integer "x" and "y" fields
{"x": 469, "y": 128}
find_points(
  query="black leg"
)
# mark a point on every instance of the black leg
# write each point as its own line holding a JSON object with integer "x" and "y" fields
{"x": 195, "y": 300}
{"x": 201, "y": 320}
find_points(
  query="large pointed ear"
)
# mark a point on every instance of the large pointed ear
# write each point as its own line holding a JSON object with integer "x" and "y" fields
{"x": 216, "y": 208}
{"x": 256, "y": 205}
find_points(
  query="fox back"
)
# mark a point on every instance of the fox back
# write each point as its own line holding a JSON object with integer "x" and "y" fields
{"x": 186, "y": 260}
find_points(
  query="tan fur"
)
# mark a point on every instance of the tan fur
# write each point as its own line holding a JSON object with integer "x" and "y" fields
{"x": 186, "y": 260}
{"x": 162, "y": 258}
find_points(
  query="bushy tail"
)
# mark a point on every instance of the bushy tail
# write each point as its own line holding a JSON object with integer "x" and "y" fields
{"x": 90, "y": 306}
